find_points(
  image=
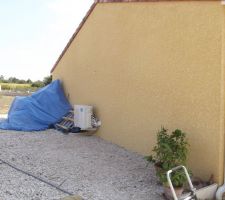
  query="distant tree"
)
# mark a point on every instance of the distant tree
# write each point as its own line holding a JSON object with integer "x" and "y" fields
{"x": 10, "y": 79}
{"x": 47, "y": 80}
{"x": 29, "y": 81}
{"x": 1, "y": 78}
{"x": 13, "y": 80}
{"x": 37, "y": 84}
{"x": 21, "y": 81}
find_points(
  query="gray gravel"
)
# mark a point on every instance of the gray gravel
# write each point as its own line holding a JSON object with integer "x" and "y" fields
{"x": 83, "y": 165}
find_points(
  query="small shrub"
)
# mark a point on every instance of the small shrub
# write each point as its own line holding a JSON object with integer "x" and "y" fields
{"x": 170, "y": 151}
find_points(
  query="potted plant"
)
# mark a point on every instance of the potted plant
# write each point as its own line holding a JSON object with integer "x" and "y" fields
{"x": 170, "y": 151}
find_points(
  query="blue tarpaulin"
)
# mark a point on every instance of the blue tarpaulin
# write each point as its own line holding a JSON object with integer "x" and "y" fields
{"x": 38, "y": 111}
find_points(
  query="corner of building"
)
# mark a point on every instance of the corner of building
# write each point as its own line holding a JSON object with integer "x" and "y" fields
{"x": 222, "y": 106}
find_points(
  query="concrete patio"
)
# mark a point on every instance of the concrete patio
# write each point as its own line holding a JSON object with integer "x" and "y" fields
{"x": 83, "y": 165}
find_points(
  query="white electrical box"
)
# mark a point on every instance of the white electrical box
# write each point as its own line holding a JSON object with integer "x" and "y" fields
{"x": 83, "y": 116}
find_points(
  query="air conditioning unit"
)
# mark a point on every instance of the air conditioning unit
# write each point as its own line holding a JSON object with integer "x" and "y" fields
{"x": 83, "y": 116}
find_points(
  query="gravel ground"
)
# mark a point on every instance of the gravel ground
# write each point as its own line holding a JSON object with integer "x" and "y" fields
{"x": 83, "y": 165}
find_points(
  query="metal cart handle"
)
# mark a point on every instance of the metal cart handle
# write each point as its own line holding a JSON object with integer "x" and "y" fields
{"x": 168, "y": 174}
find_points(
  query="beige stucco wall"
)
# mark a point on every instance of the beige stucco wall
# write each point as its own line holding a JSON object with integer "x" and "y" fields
{"x": 144, "y": 65}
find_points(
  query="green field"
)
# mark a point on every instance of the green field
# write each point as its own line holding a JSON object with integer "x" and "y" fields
{"x": 16, "y": 84}
{"x": 17, "y": 87}
{"x": 5, "y": 102}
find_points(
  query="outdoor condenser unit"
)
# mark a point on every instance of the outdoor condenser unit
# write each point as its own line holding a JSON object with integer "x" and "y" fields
{"x": 83, "y": 116}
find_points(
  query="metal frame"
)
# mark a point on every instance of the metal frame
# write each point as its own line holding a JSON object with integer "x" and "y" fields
{"x": 192, "y": 194}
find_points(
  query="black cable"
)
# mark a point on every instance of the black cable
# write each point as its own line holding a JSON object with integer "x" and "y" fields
{"x": 38, "y": 178}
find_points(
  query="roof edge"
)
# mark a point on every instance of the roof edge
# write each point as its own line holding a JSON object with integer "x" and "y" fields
{"x": 74, "y": 35}
{"x": 121, "y": 1}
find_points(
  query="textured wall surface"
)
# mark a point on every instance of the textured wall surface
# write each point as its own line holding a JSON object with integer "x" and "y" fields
{"x": 144, "y": 65}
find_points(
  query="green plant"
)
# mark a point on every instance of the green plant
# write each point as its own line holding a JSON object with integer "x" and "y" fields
{"x": 171, "y": 150}
{"x": 47, "y": 80}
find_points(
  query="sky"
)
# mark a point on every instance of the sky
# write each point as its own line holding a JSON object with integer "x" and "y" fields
{"x": 33, "y": 34}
